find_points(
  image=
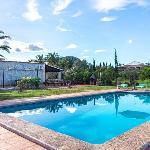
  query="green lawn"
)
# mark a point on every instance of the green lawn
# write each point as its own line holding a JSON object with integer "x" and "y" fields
{"x": 36, "y": 93}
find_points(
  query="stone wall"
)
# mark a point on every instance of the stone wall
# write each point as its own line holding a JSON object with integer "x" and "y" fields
{"x": 17, "y": 70}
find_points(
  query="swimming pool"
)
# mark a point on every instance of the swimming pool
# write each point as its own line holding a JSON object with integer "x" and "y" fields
{"x": 94, "y": 119}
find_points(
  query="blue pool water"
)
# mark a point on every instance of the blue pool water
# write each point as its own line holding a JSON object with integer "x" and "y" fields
{"x": 94, "y": 119}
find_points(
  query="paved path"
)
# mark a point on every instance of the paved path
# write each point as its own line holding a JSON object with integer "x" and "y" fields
{"x": 11, "y": 141}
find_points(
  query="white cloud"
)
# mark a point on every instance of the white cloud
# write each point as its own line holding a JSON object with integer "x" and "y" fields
{"x": 100, "y": 50}
{"x": 27, "y": 112}
{"x": 77, "y": 14}
{"x": 130, "y": 41}
{"x": 108, "y": 5}
{"x": 61, "y": 27}
{"x": 32, "y": 13}
{"x": 100, "y": 104}
{"x": 18, "y": 57}
{"x": 84, "y": 53}
{"x": 72, "y": 46}
{"x": 34, "y": 47}
{"x": 108, "y": 19}
{"x": 85, "y": 50}
{"x": 84, "y": 57}
{"x": 60, "y": 5}
{"x": 19, "y": 46}
{"x": 71, "y": 109}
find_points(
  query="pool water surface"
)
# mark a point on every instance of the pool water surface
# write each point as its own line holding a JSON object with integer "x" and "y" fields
{"x": 94, "y": 119}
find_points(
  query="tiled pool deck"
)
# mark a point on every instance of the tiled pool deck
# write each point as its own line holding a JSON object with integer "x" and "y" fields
{"x": 137, "y": 138}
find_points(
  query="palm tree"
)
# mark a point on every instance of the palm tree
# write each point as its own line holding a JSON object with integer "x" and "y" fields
{"x": 52, "y": 59}
{"x": 39, "y": 59}
{"x": 4, "y": 47}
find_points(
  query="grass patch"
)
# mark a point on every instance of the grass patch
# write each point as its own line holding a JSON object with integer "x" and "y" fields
{"x": 5, "y": 95}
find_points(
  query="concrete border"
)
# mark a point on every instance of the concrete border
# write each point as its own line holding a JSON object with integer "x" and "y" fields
{"x": 28, "y": 137}
{"x": 46, "y": 138}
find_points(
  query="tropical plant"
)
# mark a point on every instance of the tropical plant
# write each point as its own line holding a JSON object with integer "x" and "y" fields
{"x": 4, "y": 47}
{"x": 52, "y": 59}
{"x": 39, "y": 59}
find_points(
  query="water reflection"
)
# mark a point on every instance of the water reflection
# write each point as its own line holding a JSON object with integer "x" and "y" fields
{"x": 71, "y": 104}
{"x": 27, "y": 112}
{"x": 135, "y": 114}
{"x": 54, "y": 107}
{"x": 145, "y": 97}
{"x": 71, "y": 109}
{"x": 118, "y": 96}
{"x": 116, "y": 103}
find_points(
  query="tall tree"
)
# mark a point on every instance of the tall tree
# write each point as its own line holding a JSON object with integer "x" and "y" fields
{"x": 116, "y": 66}
{"x": 4, "y": 47}
{"x": 103, "y": 64}
{"x": 100, "y": 65}
{"x": 94, "y": 66}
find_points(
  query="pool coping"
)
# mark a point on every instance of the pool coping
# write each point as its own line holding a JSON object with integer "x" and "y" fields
{"x": 49, "y": 139}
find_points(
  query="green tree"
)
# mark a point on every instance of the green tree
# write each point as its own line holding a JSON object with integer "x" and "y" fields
{"x": 129, "y": 75}
{"x": 68, "y": 62}
{"x": 107, "y": 76}
{"x": 52, "y": 59}
{"x": 103, "y": 64}
{"x": 145, "y": 73}
{"x": 94, "y": 66}
{"x": 116, "y": 66}
{"x": 78, "y": 71}
{"x": 4, "y": 47}
{"x": 38, "y": 59}
{"x": 80, "y": 64}
{"x": 100, "y": 65}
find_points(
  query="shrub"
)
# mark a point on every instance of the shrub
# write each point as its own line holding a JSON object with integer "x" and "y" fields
{"x": 28, "y": 83}
{"x": 35, "y": 82}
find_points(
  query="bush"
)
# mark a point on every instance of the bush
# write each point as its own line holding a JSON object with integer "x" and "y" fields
{"x": 28, "y": 83}
{"x": 34, "y": 83}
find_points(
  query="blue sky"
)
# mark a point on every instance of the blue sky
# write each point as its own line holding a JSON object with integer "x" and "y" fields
{"x": 84, "y": 28}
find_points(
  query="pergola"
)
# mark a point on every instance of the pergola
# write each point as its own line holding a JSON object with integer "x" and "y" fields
{"x": 50, "y": 70}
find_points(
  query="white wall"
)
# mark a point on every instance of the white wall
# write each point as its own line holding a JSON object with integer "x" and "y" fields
{"x": 17, "y": 70}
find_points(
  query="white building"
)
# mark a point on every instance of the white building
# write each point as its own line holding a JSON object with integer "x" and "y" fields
{"x": 133, "y": 65}
{"x": 11, "y": 71}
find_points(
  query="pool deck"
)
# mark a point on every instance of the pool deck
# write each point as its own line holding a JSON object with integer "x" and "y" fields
{"x": 135, "y": 139}
{"x": 12, "y": 141}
